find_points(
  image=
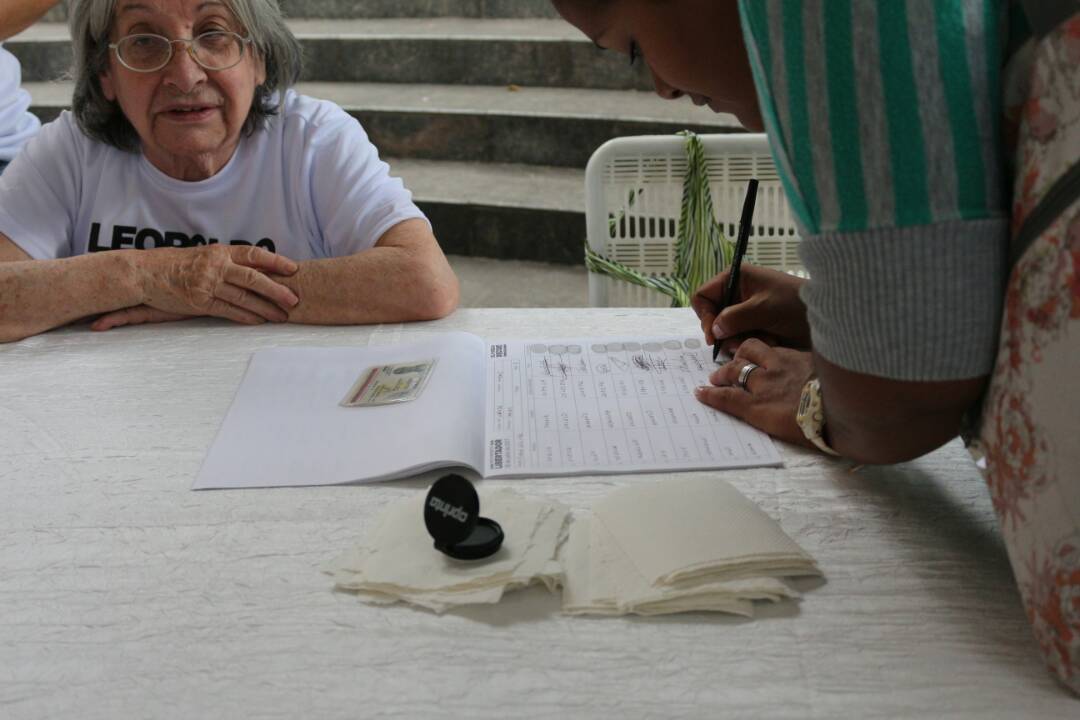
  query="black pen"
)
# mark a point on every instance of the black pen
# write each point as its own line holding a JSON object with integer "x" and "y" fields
{"x": 731, "y": 294}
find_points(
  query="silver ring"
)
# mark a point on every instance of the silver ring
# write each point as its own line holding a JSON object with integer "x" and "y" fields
{"x": 744, "y": 375}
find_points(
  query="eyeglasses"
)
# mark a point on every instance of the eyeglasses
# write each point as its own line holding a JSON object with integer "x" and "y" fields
{"x": 146, "y": 52}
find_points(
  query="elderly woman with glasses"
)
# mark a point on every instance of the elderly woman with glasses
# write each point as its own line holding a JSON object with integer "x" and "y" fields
{"x": 260, "y": 204}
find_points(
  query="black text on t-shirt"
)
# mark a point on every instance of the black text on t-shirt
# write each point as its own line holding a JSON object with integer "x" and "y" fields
{"x": 129, "y": 236}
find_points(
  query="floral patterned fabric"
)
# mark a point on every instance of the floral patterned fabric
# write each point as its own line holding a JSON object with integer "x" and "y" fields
{"x": 1028, "y": 444}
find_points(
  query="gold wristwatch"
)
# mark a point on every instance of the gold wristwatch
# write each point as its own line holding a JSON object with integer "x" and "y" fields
{"x": 811, "y": 416}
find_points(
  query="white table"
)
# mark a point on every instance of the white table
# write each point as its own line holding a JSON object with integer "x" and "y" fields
{"x": 124, "y": 594}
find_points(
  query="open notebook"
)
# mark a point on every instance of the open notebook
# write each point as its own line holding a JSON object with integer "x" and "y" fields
{"x": 503, "y": 408}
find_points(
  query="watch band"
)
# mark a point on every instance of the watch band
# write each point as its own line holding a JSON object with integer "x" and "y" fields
{"x": 811, "y": 416}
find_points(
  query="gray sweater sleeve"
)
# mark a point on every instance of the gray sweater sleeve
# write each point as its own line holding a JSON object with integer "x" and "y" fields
{"x": 916, "y": 303}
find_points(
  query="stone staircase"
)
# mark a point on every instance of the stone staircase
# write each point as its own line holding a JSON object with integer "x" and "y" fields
{"x": 488, "y": 109}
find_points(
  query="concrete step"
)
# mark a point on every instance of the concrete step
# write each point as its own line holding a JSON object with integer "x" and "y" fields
{"x": 453, "y": 51}
{"x": 393, "y": 8}
{"x": 500, "y": 185}
{"x": 541, "y": 126}
{"x": 493, "y": 210}
{"x": 519, "y": 283}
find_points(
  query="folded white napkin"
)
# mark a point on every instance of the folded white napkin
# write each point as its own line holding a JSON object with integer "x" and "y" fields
{"x": 398, "y": 561}
{"x": 678, "y": 546}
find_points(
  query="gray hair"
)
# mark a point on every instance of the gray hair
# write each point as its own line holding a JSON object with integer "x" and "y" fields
{"x": 90, "y": 22}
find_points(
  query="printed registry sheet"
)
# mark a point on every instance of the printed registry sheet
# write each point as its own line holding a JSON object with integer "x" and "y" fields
{"x": 601, "y": 405}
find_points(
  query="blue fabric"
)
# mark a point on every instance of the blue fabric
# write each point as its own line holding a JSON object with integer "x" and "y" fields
{"x": 3, "y": 164}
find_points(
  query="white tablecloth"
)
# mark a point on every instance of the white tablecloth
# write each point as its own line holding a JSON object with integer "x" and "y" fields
{"x": 125, "y": 594}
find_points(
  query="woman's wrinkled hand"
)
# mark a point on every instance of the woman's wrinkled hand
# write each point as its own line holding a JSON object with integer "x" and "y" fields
{"x": 771, "y": 396}
{"x": 768, "y": 307}
{"x": 226, "y": 281}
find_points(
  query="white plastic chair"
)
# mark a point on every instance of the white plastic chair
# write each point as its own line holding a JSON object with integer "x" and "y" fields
{"x": 651, "y": 168}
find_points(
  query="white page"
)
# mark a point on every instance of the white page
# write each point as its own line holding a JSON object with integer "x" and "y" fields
{"x": 607, "y": 405}
{"x": 286, "y": 427}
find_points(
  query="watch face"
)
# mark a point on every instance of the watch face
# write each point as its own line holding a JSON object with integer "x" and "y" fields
{"x": 811, "y": 416}
{"x": 805, "y": 400}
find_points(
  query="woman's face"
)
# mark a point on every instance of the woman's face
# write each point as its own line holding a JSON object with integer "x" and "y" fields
{"x": 692, "y": 47}
{"x": 188, "y": 118}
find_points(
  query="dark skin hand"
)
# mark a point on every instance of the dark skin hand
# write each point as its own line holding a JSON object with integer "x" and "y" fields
{"x": 868, "y": 418}
{"x": 768, "y": 307}
{"x": 766, "y": 326}
{"x": 766, "y": 402}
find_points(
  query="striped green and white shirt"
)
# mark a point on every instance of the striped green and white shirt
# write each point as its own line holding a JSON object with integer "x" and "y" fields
{"x": 884, "y": 121}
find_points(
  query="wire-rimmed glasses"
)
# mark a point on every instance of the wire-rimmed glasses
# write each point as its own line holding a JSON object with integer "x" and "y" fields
{"x": 148, "y": 52}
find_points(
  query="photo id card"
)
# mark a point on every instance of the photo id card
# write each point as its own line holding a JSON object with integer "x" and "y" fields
{"x": 389, "y": 384}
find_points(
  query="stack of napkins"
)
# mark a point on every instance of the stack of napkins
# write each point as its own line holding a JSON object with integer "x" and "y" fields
{"x": 678, "y": 546}
{"x": 398, "y": 563}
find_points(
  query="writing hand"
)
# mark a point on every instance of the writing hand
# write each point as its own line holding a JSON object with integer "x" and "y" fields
{"x": 768, "y": 305}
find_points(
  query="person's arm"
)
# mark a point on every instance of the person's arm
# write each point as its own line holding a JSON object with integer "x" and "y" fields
{"x": 39, "y": 295}
{"x": 17, "y": 15}
{"x": 867, "y": 419}
{"x": 876, "y": 420}
{"x": 382, "y": 261}
{"x": 228, "y": 282}
{"x": 405, "y": 277}
{"x": 870, "y": 419}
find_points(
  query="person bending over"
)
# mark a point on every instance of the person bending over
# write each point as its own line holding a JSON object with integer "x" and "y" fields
{"x": 906, "y": 291}
{"x": 185, "y": 138}
{"x": 896, "y": 128}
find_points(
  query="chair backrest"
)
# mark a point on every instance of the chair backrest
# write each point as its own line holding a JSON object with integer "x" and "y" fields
{"x": 633, "y": 197}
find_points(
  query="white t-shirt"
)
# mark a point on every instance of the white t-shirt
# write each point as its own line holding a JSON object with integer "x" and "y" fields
{"x": 16, "y": 125}
{"x": 309, "y": 185}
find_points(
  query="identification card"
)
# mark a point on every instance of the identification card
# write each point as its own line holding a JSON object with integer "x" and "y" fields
{"x": 389, "y": 384}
